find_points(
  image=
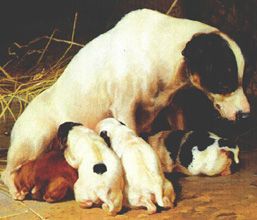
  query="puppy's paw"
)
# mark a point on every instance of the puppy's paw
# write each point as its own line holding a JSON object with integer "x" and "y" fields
{"x": 86, "y": 203}
{"x": 109, "y": 209}
{"x": 20, "y": 195}
{"x": 168, "y": 194}
{"x": 151, "y": 208}
{"x": 148, "y": 204}
{"x": 166, "y": 202}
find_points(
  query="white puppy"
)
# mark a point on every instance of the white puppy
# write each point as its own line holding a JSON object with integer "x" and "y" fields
{"x": 145, "y": 183}
{"x": 100, "y": 178}
{"x": 195, "y": 152}
{"x": 131, "y": 73}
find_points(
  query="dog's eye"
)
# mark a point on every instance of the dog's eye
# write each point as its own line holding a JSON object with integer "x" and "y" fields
{"x": 218, "y": 106}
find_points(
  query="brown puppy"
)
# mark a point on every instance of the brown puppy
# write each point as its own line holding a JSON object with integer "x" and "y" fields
{"x": 49, "y": 177}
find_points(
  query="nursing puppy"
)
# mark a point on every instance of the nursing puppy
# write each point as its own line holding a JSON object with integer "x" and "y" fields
{"x": 99, "y": 170}
{"x": 195, "y": 152}
{"x": 145, "y": 184}
{"x": 49, "y": 178}
{"x": 131, "y": 73}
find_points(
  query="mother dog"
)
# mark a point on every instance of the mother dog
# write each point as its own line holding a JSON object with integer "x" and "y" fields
{"x": 131, "y": 73}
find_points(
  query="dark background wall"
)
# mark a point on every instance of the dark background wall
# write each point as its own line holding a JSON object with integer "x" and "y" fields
{"x": 24, "y": 20}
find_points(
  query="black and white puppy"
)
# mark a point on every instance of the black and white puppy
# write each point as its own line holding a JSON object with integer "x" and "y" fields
{"x": 195, "y": 152}
{"x": 131, "y": 73}
{"x": 100, "y": 177}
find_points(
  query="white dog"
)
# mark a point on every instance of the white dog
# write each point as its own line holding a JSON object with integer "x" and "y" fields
{"x": 145, "y": 183}
{"x": 100, "y": 178}
{"x": 131, "y": 73}
{"x": 195, "y": 152}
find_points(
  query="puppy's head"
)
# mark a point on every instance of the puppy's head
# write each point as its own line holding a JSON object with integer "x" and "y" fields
{"x": 67, "y": 137}
{"x": 216, "y": 65}
{"x": 106, "y": 127}
{"x": 63, "y": 131}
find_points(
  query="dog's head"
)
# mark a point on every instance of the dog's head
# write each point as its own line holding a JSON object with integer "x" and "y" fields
{"x": 216, "y": 65}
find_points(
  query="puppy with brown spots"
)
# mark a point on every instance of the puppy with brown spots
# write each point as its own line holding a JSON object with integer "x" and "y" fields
{"x": 195, "y": 152}
{"x": 49, "y": 178}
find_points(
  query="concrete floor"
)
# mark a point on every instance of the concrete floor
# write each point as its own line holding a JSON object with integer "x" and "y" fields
{"x": 232, "y": 197}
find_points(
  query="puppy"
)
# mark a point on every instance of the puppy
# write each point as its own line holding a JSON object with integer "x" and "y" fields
{"x": 49, "y": 178}
{"x": 171, "y": 54}
{"x": 100, "y": 173}
{"x": 195, "y": 152}
{"x": 145, "y": 184}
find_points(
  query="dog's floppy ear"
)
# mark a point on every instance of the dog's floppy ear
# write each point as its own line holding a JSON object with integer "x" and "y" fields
{"x": 64, "y": 130}
{"x": 195, "y": 48}
{"x": 106, "y": 138}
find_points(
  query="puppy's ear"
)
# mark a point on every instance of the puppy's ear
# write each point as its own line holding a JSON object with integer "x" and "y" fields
{"x": 106, "y": 138}
{"x": 64, "y": 130}
{"x": 122, "y": 123}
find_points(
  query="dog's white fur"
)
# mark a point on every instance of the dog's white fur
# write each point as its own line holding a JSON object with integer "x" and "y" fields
{"x": 211, "y": 161}
{"x": 137, "y": 63}
{"x": 84, "y": 150}
{"x": 145, "y": 183}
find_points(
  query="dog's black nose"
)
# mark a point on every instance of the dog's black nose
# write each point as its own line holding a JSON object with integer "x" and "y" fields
{"x": 99, "y": 168}
{"x": 242, "y": 115}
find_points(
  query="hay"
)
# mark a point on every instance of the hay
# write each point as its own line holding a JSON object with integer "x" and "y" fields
{"x": 21, "y": 89}
{"x": 172, "y": 6}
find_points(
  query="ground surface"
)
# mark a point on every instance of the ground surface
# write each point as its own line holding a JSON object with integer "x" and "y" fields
{"x": 232, "y": 197}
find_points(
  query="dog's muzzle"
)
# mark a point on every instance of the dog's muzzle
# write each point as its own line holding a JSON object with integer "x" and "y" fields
{"x": 242, "y": 115}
